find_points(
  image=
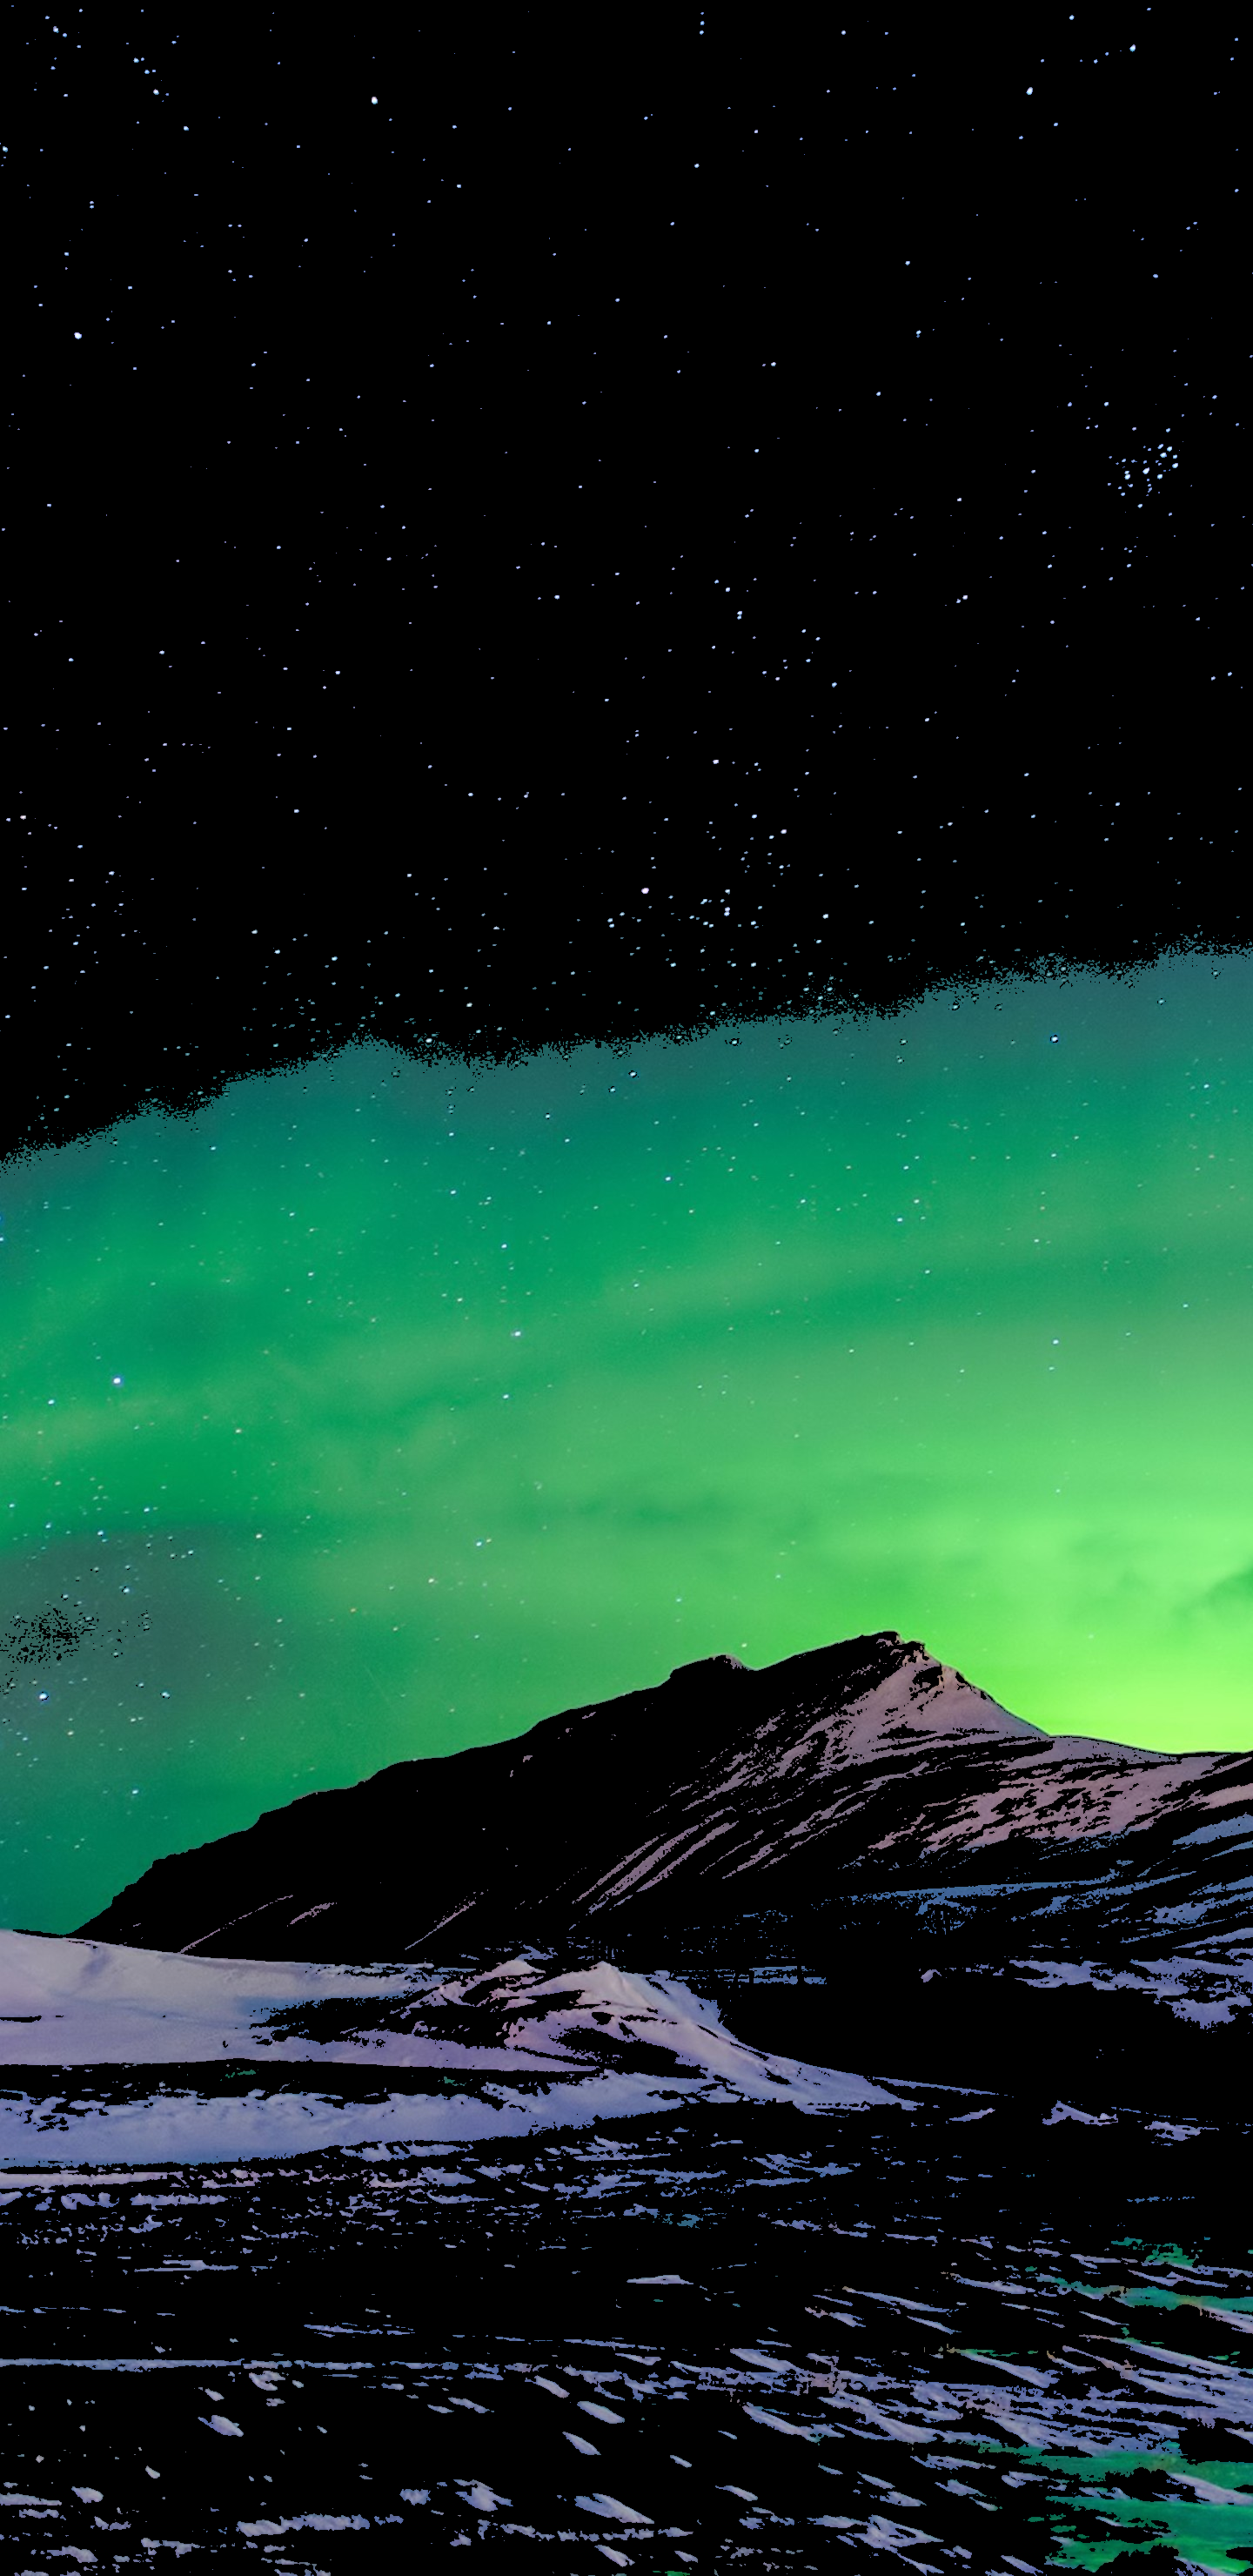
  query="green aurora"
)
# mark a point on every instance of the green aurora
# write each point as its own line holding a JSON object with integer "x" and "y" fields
{"x": 941, "y": 1323}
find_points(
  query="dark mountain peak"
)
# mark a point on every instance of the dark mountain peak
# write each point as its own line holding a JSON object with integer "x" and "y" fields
{"x": 849, "y": 1665}
{"x": 719, "y": 1789}
{"x": 709, "y": 1669}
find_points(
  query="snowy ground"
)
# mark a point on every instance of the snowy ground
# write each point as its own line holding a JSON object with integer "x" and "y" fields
{"x": 694, "y": 2342}
{"x": 522, "y": 2046}
{"x": 355, "y": 2268}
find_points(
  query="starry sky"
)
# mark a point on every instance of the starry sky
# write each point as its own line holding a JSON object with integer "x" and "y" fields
{"x": 384, "y": 1408}
{"x": 859, "y": 561}
{"x": 544, "y": 760}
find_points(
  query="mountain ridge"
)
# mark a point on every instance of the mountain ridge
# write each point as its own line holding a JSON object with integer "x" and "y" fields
{"x": 720, "y": 1791}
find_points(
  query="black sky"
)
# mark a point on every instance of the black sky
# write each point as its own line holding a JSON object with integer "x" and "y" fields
{"x": 553, "y": 532}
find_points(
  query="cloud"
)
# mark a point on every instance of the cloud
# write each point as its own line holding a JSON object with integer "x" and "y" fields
{"x": 1231, "y": 1598}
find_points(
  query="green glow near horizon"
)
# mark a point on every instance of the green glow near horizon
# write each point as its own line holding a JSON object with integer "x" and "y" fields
{"x": 402, "y": 1439}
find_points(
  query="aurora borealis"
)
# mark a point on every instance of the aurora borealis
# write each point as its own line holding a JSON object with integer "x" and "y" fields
{"x": 380, "y": 1408}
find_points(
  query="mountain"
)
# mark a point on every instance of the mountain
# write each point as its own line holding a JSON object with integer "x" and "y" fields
{"x": 849, "y": 1791}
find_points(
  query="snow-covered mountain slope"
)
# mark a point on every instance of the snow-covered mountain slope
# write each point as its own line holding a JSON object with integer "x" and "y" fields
{"x": 526, "y": 2045}
{"x": 88, "y": 2003}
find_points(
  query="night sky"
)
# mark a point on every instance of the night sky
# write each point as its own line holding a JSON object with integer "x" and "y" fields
{"x": 627, "y": 1007}
{"x": 378, "y": 1411}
